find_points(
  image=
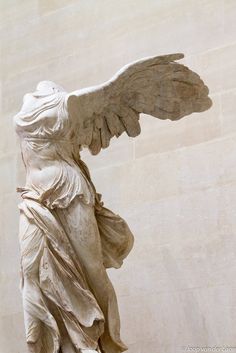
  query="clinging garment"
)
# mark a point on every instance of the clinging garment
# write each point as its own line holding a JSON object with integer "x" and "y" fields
{"x": 53, "y": 174}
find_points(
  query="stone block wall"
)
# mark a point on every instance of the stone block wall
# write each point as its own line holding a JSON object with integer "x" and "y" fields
{"x": 175, "y": 184}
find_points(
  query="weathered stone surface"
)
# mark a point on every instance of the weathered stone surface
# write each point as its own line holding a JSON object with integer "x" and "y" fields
{"x": 84, "y": 44}
{"x": 65, "y": 262}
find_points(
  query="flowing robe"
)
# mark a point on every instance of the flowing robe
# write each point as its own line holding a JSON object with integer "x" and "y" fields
{"x": 67, "y": 239}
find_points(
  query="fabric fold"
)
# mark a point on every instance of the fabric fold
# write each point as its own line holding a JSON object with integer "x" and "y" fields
{"x": 52, "y": 274}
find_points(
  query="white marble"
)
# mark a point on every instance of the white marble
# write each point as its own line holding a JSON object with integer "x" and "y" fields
{"x": 67, "y": 237}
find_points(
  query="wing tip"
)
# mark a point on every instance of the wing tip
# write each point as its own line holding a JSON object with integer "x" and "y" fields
{"x": 171, "y": 57}
{"x": 205, "y": 105}
{"x": 176, "y": 56}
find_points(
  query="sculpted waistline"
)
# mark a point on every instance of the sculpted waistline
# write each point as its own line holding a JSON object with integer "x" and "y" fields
{"x": 49, "y": 139}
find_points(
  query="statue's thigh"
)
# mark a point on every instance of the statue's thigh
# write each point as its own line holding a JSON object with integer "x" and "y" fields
{"x": 80, "y": 224}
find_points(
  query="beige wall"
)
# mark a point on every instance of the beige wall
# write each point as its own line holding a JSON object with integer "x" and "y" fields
{"x": 175, "y": 184}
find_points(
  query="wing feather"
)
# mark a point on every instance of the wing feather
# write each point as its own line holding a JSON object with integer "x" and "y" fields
{"x": 105, "y": 134}
{"x": 96, "y": 143}
{"x": 157, "y": 86}
{"x": 114, "y": 123}
{"x": 129, "y": 119}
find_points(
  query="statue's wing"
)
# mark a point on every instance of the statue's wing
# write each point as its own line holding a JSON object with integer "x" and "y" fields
{"x": 157, "y": 86}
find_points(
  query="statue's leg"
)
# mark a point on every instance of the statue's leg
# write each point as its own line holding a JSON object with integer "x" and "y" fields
{"x": 81, "y": 226}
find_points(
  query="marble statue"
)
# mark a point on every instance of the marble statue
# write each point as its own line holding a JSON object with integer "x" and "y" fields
{"x": 67, "y": 237}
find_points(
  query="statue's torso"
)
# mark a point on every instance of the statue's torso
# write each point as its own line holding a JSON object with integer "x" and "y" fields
{"x": 52, "y": 172}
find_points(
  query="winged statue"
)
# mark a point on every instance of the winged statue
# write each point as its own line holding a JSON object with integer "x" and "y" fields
{"x": 67, "y": 237}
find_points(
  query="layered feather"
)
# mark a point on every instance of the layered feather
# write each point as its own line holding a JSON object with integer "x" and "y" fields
{"x": 157, "y": 86}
